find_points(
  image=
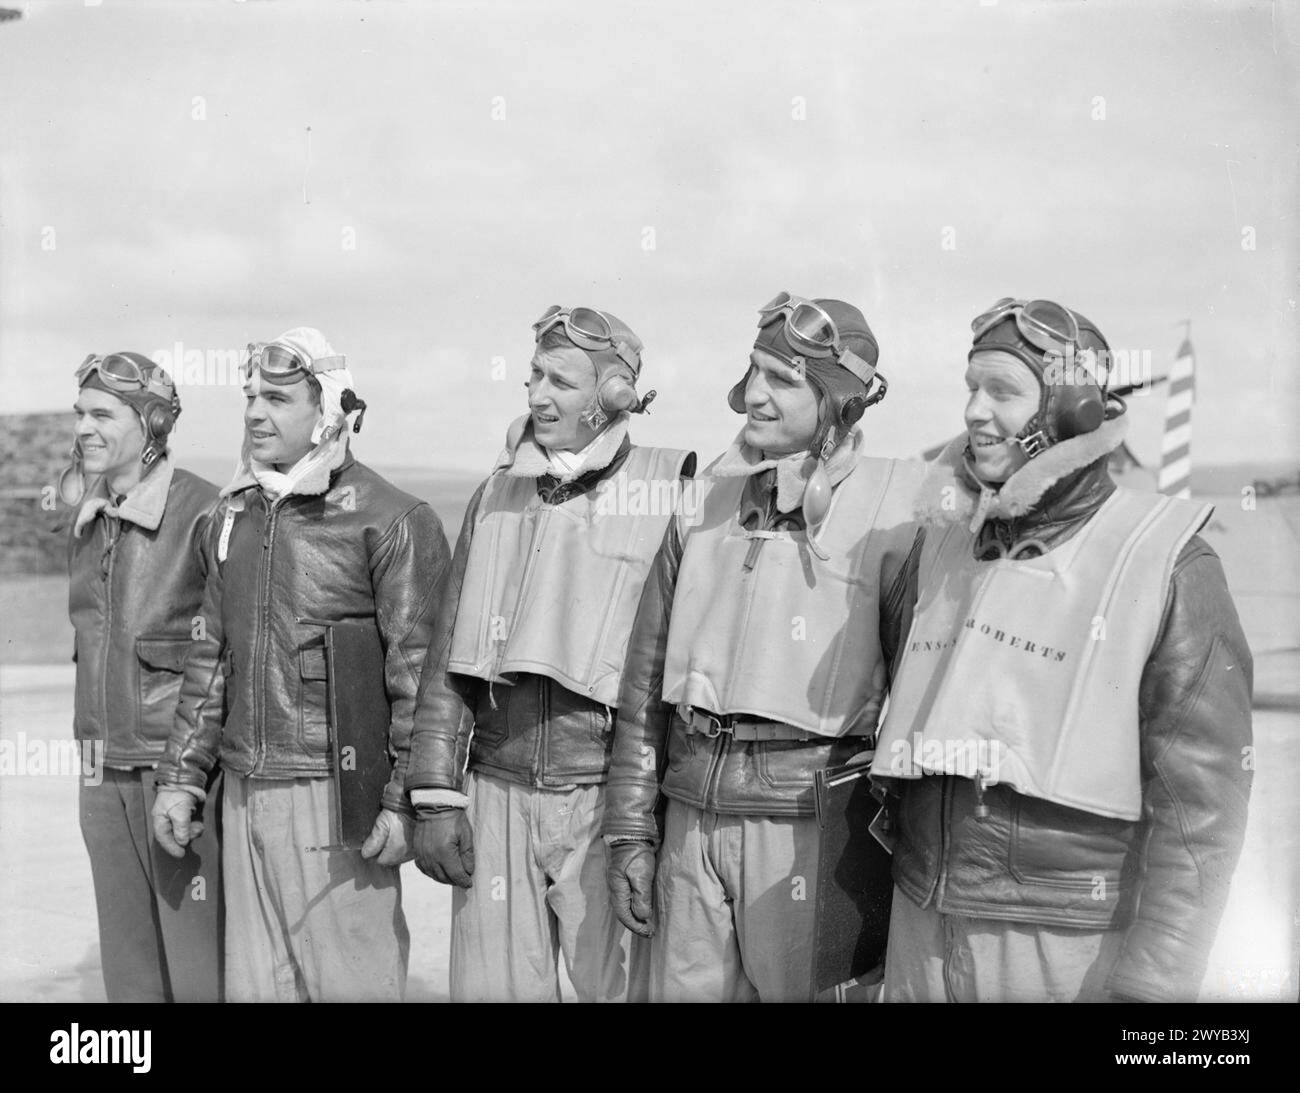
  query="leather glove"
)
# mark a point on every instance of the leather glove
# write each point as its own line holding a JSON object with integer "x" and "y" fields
{"x": 630, "y": 875}
{"x": 444, "y": 845}
{"x": 390, "y": 838}
{"x": 172, "y": 826}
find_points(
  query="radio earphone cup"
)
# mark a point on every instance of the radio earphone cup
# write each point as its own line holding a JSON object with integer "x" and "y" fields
{"x": 1078, "y": 410}
{"x": 852, "y": 409}
{"x": 158, "y": 423}
{"x": 617, "y": 394}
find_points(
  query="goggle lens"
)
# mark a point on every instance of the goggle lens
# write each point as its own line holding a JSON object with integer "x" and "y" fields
{"x": 278, "y": 359}
{"x": 122, "y": 369}
{"x": 118, "y": 372}
{"x": 1051, "y": 320}
{"x": 590, "y": 324}
{"x": 545, "y": 321}
{"x": 813, "y": 325}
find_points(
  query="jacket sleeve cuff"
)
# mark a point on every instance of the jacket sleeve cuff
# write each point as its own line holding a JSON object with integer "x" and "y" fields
{"x": 1157, "y": 965}
{"x": 438, "y": 798}
{"x": 182, "y": 776}
{"x": 418, "y": 781}
{"x": 395, "y": 800}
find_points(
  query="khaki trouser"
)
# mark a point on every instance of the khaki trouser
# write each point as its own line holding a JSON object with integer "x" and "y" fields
{"x": 735, "y": 898}
{"x": 539, "y": 891}
{"x": 159, "y": 916}
{"x": 934, "y": 957}
{"x": 305, "y": 925}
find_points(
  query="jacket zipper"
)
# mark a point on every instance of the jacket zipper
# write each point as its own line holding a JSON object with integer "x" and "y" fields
{"x": 259, "y": 686}
{"x": 543, "y": 716}
{"x": 945, "y": 815}
{"x": 112, "y": 531}
{"x": 713, "y": 774}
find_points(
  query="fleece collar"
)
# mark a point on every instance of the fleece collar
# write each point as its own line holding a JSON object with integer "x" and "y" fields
{"x": 309, "y": 477}
{"x": 792, "y": 471}
{"x": 523, "y": 457}
{"x": 950, "y": 493}
{"x": 144, "y": 504}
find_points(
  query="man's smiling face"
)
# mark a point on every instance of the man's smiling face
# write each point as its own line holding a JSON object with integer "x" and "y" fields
{"x": 1003, "y": 396}
{"x": 780, "y": 406}
{"x": 279, "y": 421}
{"x": 109, "y": 433}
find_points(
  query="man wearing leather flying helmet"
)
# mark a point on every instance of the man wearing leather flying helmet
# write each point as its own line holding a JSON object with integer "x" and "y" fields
{"x": 755, "y": 661}
{"x": 136, "y": 573}
{"x": 523, "y": 675}
{"x": 1067, "y": 724}
{"x": 307, "y": 544}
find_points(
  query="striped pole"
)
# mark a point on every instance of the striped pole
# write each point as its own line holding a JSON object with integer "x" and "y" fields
{"x": 1176, "y": 446}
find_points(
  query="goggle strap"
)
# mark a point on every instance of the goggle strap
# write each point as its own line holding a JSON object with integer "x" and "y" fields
{"x": 855, "y": 364}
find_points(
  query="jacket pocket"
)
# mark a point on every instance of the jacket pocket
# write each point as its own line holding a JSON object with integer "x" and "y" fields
{"x": 601, "y": 725}
{"x": 1067, "y": 848}
{"x": 160, "y": 662}
{"x": 492, "y": 725}
{"x": 787, "y": 764}
{"x": 313, "y": 700}
{"x": 681, "y": 746}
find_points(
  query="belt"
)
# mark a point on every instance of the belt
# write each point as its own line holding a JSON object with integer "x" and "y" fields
{"x": 747, "y": 729}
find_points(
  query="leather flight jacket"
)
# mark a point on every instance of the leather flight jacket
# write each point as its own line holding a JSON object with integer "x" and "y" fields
{"x": 535, "y": 732}
{"x": 658, "y": 754}
{"x": 134, "y": 593}
{"x": 991, "y": 852}
{"x": 748, "y": 767}
{"x": 362, "y": 549}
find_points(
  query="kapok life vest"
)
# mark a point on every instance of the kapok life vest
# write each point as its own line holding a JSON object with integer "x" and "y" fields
{"x": 793, "y": 639}
{"x": 553, "y": 589}
{"x": 1027, "y": 672}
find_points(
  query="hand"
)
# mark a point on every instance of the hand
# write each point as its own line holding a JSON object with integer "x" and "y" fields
{"x": 172, "y": 826}
{"x": 444, "y": 846}
{"x": 630, "y": 875}
{"x": 390, "y": 838}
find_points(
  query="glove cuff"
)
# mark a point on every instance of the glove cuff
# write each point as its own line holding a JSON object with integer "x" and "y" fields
{"x": 201, "y": 795}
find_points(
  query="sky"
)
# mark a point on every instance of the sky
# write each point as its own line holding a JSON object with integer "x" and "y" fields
{"x": 421, "y": 181}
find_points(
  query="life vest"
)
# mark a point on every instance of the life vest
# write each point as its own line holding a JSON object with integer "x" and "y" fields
{"x": 553, "y": 589}
{"x": 793, "y": 639}
{"x": 1027, "y": 671}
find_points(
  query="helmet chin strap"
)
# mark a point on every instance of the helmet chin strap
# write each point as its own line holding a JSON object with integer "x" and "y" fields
{"x": 594, "y": 416}
{"x": 1033, "y": 438}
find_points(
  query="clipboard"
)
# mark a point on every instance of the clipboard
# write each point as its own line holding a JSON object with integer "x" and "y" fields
{"x": 359, "y": 716}
{"x": 855, "y": 886}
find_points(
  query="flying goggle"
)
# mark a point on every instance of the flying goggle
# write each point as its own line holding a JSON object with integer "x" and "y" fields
{"x": 1045, "y": 325}
{"x": 588, "y": 329}
{"x": 119, "y": 373}
{"x": 282, "y": 364}
{"x": 809, "y": 327}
